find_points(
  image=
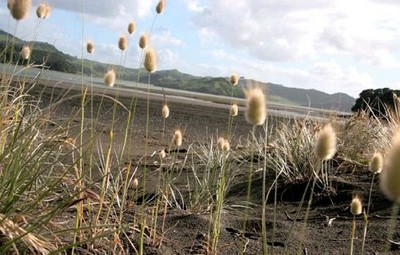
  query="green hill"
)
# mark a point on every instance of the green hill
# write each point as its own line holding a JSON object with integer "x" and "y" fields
{"x": 59, "y": 61}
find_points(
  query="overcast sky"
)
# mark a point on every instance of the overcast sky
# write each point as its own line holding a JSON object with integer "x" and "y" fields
{"x": 333, "y": 46}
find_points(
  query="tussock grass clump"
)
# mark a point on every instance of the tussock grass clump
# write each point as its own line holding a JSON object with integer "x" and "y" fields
{"x": 19, "y": 9}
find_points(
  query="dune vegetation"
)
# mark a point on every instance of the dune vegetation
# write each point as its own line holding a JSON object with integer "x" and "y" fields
{"x": 88, "y": 172}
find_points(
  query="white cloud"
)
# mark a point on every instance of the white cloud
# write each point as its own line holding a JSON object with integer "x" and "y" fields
{"x": 302, "y": 30}
{"x": 166, "y": 39}
{"x": 194, "y": 5}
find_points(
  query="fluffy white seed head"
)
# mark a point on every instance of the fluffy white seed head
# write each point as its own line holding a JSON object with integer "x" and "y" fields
{"x": 376, "y": 163}
{"x": 177, "y": 138}
{"x": 19, "y": 9}
{"x": 233, "y": 111}
{"x": 25, "y": 52}
{"x": 123, "y": 43}
{"x": 160, "y": 7}
{"x": 90, "y": 47}
{"x": 162, "y": 154}
{"x": 150, "y": 60}
{"x": 390, "y": 176}
{"x": 144, "y": 41}
{"x": 256, "y": 106}
{"x": 325, "y": 144}
{"x": 356, "y": 206}
{"x": 135, "y": 183}
{"x": 131, "y": 27}
{"x": 234, "y": 79}
{"x": 223, "y": 144}
{"x": 109, "y": 78}
{"x": 165, "y": 111}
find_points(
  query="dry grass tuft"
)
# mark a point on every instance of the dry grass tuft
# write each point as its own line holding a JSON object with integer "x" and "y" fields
{"x": 356, "y": 206}
{"x": 376, "y": 163}
{"x": 35, "y": 243}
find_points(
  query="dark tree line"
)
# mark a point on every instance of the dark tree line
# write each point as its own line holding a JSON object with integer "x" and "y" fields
{"x": 377, "y": 102}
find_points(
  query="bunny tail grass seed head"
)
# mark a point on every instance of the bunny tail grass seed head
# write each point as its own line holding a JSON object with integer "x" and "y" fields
{"x": 356, "y": 206}
{"x": 109, "y": 78}
{"x": 135, "y": 183}
{"x": 19, "y": 9}
{"x": 160, "y": 7}
{"x": 390, "y": 176}
{"x": 165, "y": 111}
{"x": 325, "y": 144}
{"x": 90, "y": 47}
{"x": 123, "y": 43}
{"x": 233, "y": 111}
{"x": 223, "y": 144}
{"x": 256, "y": 106}
{"x": 162, "y": 154}
{"x": 177, "y": 138}
{"x": 41, "y": 11}
{"x": 234, "y": 79}
{"x": 131, "y": 27}
{"x": 376, "y": 163}
{"x": 25, "y": 52}
{"x": 150, "y": 60}
{"x": 143, "y": 41}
